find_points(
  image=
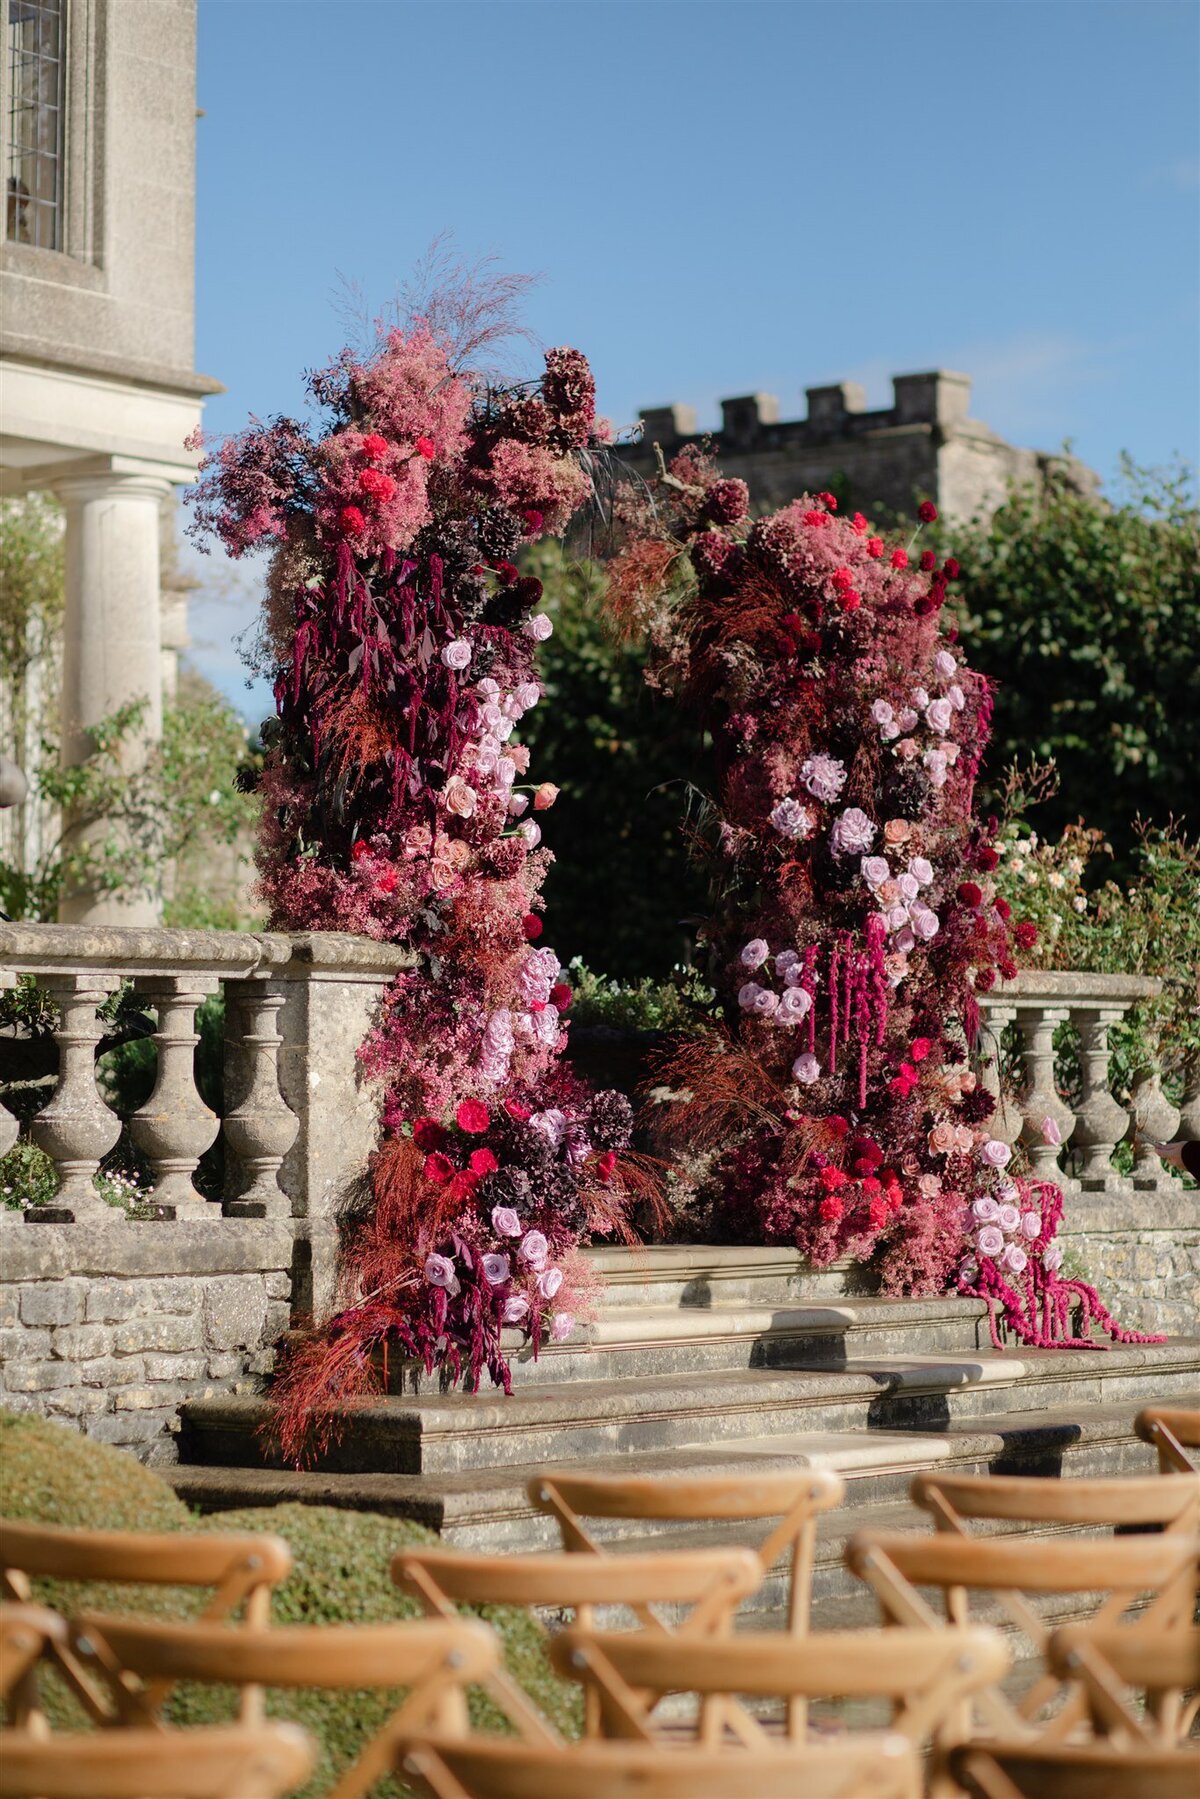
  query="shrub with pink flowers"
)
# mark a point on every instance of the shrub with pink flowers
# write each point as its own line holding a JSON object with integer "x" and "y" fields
{"x": 856, "y": 915}
{"x": 397, "y": 803}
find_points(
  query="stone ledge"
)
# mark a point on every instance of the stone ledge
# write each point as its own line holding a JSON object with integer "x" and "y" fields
{"x": 1071, "y": 987}
{"x": 1131, "y": 1214}
{"x": 131, "y": 1250}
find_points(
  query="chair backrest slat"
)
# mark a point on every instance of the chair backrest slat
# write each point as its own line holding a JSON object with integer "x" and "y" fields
{"x": 144, "y": 1559}
{"x": 1130, "y": 1500}
{"x": 674, "y": 1576}
{"x": 1174, "y": 1433}
{"x": 171, "y": 1764}
{"x": 1032, "y": 1565}
{"x": 1075, "y": 1771}
{"x": 883, "y": 1767}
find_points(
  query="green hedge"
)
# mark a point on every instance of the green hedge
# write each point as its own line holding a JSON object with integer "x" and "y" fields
{"x": 340, "y": 1575}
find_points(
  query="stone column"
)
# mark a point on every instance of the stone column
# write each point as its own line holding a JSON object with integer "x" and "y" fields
{"x": 112, "y": 651}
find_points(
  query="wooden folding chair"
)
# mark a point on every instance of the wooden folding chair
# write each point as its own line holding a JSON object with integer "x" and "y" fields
{"x": 896, "y": 1565}
{"x": 224, "y": 1763}
{"x": 1175, "y": 1434}
{"x": 434, "y": 1661}
{"x": 1075, "y": 1771}
{"x": 241, "y": 1569}
{"x": 712, "y": 1581}
{"x": 26, "y": 1635}
{"x": 1142, "y": 1687}
{"x": 925, "y": 1677}
{"x": 479, "y": 1768}
{"x": 796, "y": 1500}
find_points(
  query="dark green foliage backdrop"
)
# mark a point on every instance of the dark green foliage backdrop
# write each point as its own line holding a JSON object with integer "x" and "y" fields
{"x": 1087, "y": 616}
{"x": 622, "y": 892}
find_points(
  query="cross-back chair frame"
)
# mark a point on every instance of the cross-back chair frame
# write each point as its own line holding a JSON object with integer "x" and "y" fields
{"x": 1073, "y": 1771}
{"x": 925, "y": 1677}
{"x": 895, "y": 1566}
{"x": 795, "y": 1500}
{"x": 1162, "y": 1666}
{"x": 434, "y": 1660}
{"x": 240, "y": 1568}
{"x": 713, "y": 1581}
{"x": 1174, "y": 1432}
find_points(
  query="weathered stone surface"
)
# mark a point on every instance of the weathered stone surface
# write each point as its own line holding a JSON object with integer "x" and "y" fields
{"x": 156, "y": 1333}
{"x": 187, "y": 1246}
{"x": 38, "y": 1377}
{"x": 82, "y": 1342}
{"x": 52, "y": 1302}
{"x": 235, "y": 1310}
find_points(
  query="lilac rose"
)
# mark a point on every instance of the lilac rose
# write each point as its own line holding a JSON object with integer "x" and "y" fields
{"x": 824, "y": 777}
{"x": 505, "y": 1222}
{"x": 496, "y": 1270}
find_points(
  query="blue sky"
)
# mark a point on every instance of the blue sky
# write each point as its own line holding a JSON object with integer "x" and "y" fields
{"x": 718, "y": 196}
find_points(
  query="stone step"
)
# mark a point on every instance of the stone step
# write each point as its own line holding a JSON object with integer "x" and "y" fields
{"x": 488, "y": 1510}
{"x": 696, "y": 1276}
{"x": 440, "y": 1433}
{"x": 662, "y": 1337}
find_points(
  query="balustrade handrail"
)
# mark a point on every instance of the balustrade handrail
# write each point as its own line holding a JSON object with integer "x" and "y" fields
{"x": 131, "y": 950}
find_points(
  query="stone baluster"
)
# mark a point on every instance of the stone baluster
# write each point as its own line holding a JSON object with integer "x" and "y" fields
{"x": 1155, "y": 1120}
{"x": 76, "y": 1130}
{"x": 1040, "y": 1099}
{"x": 175, "y": 1127}
{"x": 261, "y": 1127}
{"x": 1101, "y": 1122}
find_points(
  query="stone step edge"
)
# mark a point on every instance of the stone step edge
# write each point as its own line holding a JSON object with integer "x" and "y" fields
{"x": 746, "y": 1391}
{"x": 504, "y": 1499}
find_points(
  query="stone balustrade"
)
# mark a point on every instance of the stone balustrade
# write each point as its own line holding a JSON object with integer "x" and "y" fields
{"x": 296, "y": 1122}
{"x": 1078, "y": 1147}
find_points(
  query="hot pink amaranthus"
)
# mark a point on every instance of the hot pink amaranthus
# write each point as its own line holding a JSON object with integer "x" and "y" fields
{"x": 855, "y": 918}
{"x": 396, "y": 803}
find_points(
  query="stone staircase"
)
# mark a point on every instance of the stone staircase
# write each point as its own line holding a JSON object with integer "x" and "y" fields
{"x": 717, "y": 1361}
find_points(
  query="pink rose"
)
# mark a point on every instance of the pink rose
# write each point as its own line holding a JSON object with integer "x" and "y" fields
{"x": 990, "y": 1241}
{"x": 920, "y": 698}
{"x": 795, "y": 1004}
{"x": 995, "y": 1153}
{"x": 1014, "y": 1258}
{"x": 907, "y": 719}
{"x": 539, "y": 627}
{"x": 496, "y": 1270}
{"x": 545, "y": 796}
{"x": 945, "y": 664}
{"x": 747, "y": 995}
{"x": 516, "y": 1309}
{"x": 896, "y": 831}
{"x": 505, "y": 1222}
{"x": 766, "y": 1003}
{"x": 549, "y": 1282}
{"x": 785, "y": 961}
{"x": 458, "y": 797}
{"x": 1009, "y": 1219}
{"x": 755, "y": 953}
{"x": 1031, "y": 1226}
{"x": 1050, "y": 1132}
{"x": 929, "y": 1185}
{"x": 531, "y": 832}
{"x": 907, "y": 749}
{"x": 921, "y": 870}
{"x": 806, "y": 1069}
{"x": 457, "y": 654}
{"x": 534, "y": 1249}
{"x": 852, "y": 833}
{"x": 506, "y": 771}
{"x": 561, "y": 1326}
{"x": 527, "y": 695}
{"x": 882, "y": 712}
{"x": 985, "y": 1210}
{"x": 517, "y": 803}
{"x": 487, "y": 689}
{"x": 956, "y": 697}
{"x": 439, "y": 1272}
{"x": 909, "y": 886}
{"x": 889, "y": 893}
{"x": 936, "y": 766}
{"x": 875, "y": 870}
{"x": 942, "y": 1138}
{"x": 895, "y": 918}
{"x": 939, "y": 716}
{"x": 1052, "y": 1258}
{"x": 926, "y": 924}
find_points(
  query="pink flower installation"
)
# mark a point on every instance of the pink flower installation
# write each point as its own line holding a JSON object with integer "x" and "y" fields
{"x": 403, "y": 642}
{"x": 847, "y": 1120}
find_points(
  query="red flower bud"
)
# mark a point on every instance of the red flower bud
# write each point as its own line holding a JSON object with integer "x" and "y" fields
{"x": 1026, "y": 934}
{"x": 483, "y": 1162}
{"x": 985, "y": 980}
{"x": 829, "y": 501}
{"x": 1003, "y": 909}
{"x": 352, "y": 521}
{"x": 533, "y": 521}
{"x": 426, "y": 447}
{"x": 928, "y": 560}
{"x": 516, "y": 1110}
{"x": 919, "y": 1048}
{"x": 986, "y": 859}
{"x": 561, "y": 996}
{"x": 428, "y": 1134}
{"x": 532, "y": 926}
{"x": 875, "y": 546}
{"x": 927, "y": 512}
{"x": 950, "y": 568}
{"x": 374, "y": 446}
{"x": 899, "y": 558}
{"x": 858, "y": 523}
{"x": 605, "y": 1165}
{"x": 439, "y": 1169}
{"x": 970, "y": 894}
{"x": 830, "y": 1209}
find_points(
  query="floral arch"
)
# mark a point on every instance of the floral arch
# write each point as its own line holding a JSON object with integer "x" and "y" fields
{"x": 855, "y": 917}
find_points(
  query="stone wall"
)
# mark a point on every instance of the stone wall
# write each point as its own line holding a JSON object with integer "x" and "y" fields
{"x": 1142, "y": 1253}
{"x": 925, "y": 446}
{"x": 111, "y": 1327}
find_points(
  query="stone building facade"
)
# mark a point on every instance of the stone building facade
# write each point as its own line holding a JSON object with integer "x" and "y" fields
{"x": 97, "y": 384}
{"x": 924, "y": 446}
